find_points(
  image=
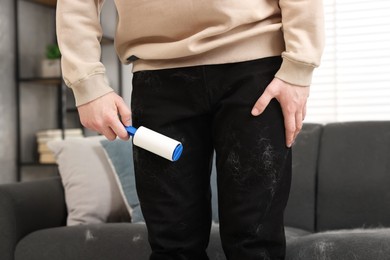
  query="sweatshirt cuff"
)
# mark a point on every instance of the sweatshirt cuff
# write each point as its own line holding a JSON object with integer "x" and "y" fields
{"x": 295, "y": 73}
{"x": 91, "y": 88}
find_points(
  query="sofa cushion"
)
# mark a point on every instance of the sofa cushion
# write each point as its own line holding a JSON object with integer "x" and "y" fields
{"x": 354, "y": 176}
{"x": 120, "y": 156}
{"x": 341, "y": 245}
{"x": 117, "y": 241}
{"x": 293, "y": 233}
{"x": 23, "y": 209}
{"x": 300, "y": 211}
{"x": 91, "y": 193}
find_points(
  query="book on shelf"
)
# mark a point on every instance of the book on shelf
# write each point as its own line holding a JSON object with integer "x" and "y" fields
{"x": 43, "y": 148}
{"x": 44, "y": 136}
{"x": 57, "y": 133}
{"x": 47, "y": 157}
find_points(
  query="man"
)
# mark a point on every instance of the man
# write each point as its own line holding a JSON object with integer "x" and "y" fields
{"x": 228, "y": 75}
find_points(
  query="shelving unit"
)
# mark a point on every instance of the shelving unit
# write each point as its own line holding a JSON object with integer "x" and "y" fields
{"x": 49, "y": 3}
{"x": 56, "y": 110}
{"x": 43, "y": 81}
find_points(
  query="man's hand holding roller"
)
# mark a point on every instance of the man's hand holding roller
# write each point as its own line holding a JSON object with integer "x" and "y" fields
{"x": 106, "y": 115}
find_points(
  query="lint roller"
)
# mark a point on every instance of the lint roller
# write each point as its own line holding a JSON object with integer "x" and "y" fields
{"x": 155, "y": 142}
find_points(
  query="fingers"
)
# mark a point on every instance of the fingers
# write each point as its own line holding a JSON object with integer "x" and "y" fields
{"x": 261, "y": 103}
{"x": 304, "y": 111}
{"x": 116, "y": 127}
{"x": 102, "y": 115}
{"x": 108, "y": 125}
{"x": 109, "y": 134}
{"x": 298, "y": 125}
{"x": 125, "y": 119}
{"x": 124, "y": 112}
{"x": 289, "y": 126}
{"x": 293, "y": 122}
{"x": 292, "y": 100}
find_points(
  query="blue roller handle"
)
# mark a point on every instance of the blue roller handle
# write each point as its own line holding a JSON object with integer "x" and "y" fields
{"x": 176, "y": 153}
{"x": 131, "y": 130}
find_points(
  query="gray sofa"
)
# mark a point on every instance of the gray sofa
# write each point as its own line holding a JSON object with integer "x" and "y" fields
{"x": 339, "y": 206}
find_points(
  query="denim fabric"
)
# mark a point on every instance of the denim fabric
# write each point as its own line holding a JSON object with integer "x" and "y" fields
{"x": 208, "y": 108}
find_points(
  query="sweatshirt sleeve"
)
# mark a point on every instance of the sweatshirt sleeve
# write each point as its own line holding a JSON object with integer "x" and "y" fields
{"x": 78, "y": 34}
{"x": 303, "y": 30}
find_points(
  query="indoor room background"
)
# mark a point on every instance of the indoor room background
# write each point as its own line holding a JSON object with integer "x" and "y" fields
{"x": 352, "y": 84}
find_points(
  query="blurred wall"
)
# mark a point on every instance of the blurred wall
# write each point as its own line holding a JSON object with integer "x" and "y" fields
{"x": 7, "y": 93}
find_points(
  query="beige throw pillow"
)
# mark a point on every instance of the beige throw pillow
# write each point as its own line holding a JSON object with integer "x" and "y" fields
{"x": 91, "y": 192}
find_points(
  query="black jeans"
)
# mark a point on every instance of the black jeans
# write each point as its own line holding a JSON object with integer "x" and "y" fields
{"x": 209, "y": 107}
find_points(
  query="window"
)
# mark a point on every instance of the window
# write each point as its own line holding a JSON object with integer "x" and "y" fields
{"x": 353, "y": 81}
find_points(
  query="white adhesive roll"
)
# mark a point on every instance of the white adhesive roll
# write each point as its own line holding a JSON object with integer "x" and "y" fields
{"x": 157, "y": 143}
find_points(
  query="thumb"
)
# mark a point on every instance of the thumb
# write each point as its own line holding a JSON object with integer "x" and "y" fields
{"x": 261, "y": 103}
{"x": 124, "y": 112}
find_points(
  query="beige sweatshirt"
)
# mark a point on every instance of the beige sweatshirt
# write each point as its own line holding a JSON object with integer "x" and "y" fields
{"x": 177, "y": 33}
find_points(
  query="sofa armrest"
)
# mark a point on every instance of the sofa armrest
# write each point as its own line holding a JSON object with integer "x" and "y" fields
{"x": 27, "y": 207}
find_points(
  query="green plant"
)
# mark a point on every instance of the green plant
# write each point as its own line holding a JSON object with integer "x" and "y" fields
{"x": 53, "y": 52}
